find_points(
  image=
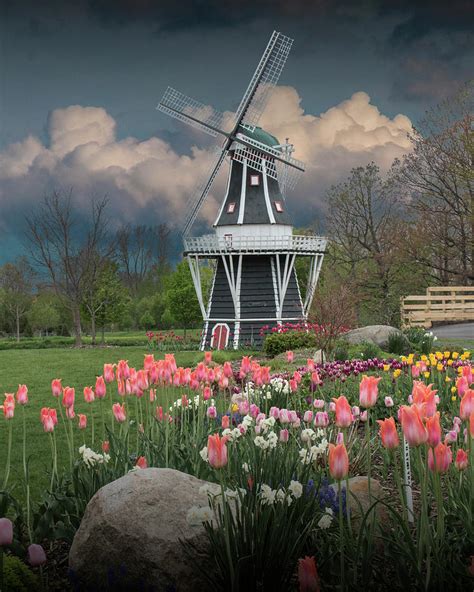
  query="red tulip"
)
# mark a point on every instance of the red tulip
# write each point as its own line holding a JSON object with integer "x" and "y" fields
{"x": 441, "y": 459}
{"x": 413, "y": 429}
{"x": 217, "y": 451}
{"x": 141, "y": 463}
{"x": 388, "y": 433}
{"x": 338, "y": 461}
{"x": 149, "y": 362}
{"x": 36, "y": 555}
{"x": 82, "y": 421}
{"x": 6, "y": 532}
{"x": 225, "y": 422}
{"x": 368, "y": 390}
{"x": 22, "y": 394}
{"x": 207, "y": 357}
{"x": 119, "y": 412}
{"x": 8, "y": 406}
{"x": 308, "y": 575}
{"x": 56, "y": 387}
{"x": 105, "y": 446}
{"x": 343, "y": 412}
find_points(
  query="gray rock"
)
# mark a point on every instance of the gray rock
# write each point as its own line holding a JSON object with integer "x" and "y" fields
{"x": 319, "y": 357}
{"x": 377, "y": 334}
{"x": 359, "y": 497}
{"x": 134, "y": 526}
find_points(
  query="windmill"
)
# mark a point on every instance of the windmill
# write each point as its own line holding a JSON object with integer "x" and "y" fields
{"x": 255, "y": 282}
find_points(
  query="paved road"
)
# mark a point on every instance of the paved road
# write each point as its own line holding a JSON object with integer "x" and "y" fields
{"x": 461, "y": 331}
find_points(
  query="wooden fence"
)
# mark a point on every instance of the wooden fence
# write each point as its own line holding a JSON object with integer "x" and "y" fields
{"x": 441, "y": 303}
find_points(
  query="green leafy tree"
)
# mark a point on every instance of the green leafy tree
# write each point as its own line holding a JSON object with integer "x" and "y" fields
{"x": 181, "y": 296}
{"x": 16, "y": 281}
{"x": 44, "y": 314}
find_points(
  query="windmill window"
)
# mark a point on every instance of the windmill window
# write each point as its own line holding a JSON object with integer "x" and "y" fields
{"x": 231, "y": 207}
{"x": 254, "y": 180}
{"x": 278, "y": 206}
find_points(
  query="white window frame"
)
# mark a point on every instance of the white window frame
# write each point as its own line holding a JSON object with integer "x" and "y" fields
{"x": 279, "y": 206}
{"x": 231, "y": 207}
{"x": 254, "y": 180}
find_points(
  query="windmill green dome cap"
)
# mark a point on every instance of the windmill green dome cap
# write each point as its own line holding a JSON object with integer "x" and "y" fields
{"x": 260, "y": 135}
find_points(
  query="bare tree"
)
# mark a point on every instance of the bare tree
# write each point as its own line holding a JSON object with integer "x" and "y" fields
{"x": 70, "y": 255}
{"x": 139, "y": 250}
{"x": 363, "y": 216}
{"x": 438, "y": 181}
{"x": 16, "y": 281}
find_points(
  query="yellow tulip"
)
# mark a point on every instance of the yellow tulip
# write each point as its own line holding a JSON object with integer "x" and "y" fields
{"x": 449, "y": 362}
{"x": 386, "y": 367}
{"x": 446, "y": 354}
{"x": 453, "y": 398}
{"x": 426, "y": 374}
{"x": 447, "y": 379}
{"x": 455, "y": 355}
{"x": 453, "y": 389}
{"x": 439, "y": 367}
{"x": 396, "y": 373}
{"x": 439, "y": 355}
{"x": 235, "y": 408}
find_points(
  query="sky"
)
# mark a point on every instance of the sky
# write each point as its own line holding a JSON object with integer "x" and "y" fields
{"x": 79, "y": 83}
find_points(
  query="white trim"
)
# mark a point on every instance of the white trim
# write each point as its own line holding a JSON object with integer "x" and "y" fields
{"x": 243, "y": 193}
{"x": 227, "y": 336}
{"x": 271, "y": 217}
{"x": 275, "y": 286}
{"x": 313, "y": 277}
{"x": 299, "y": 292}
{"x": 196, "y": 276}
{"x": 267, "y": 319}
{"x": 221, "y": 209}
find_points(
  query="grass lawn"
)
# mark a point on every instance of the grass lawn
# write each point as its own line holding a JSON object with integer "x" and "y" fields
{"x": 78, "y": 368}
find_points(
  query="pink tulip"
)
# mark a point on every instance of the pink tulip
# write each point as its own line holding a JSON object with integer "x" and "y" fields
{"x": 69, "y": 395}
{"x": 8, "y": 406}
{"x": 321, "y": 419}
{"x": 318, "y": 404}
{"x": 109, "y": 373}
{"x": 451, "y": 437}
{"x": 388, "y": 402}
{"x": 355, "y": 411}
{"x": 308, "y": 416}
{"x": 368, "y": 390}
{"x": 22, "y": 394}
{"x": 462, "y": 460}
{"x": 105, "y": 446}
{"x": 441, "y": 459}
{"x": 123, "y": 370}
{"x": 433, "y": 428}
{"x": 207, "y": 357}
{"x": 82, "y": 421}
{"x": 415, "y": 371}
{"x": 315, "y": 377}
{"x": 152, "y": 394}
{"x": 148, "y": 362}
{"x": 467, "y": 404}
{"x": 6, "y": 532}
{"x": 364, "y": 416}
{"x": 343, "y": 412}
{"x": 211, "y": 412}
{"x": 206, "y": 393}
{"x": 142, "y": 380}
{"x": 338, "y": 461}
{"x": 89, "y": 396}
{"x": 468, "y": 374}
{"x": 462, "y": 385}
{"x": 119, "y": 412}
{"x": 388, "y": 433}
{"x": 225, "y": 422}
{"x": 100, "y": 387}
{"x": 274, "y": 412}
{"x": 340, "y": 438}
{"x": 49, "y": 419}
{"x": 293, "y": 385}
{"x": 36, "y": 555}
{"x": 245, "y": 366}
{"x": 56, "y": 387}
{"x": 413, "y": 429}
{"x": 70, "y": 413}
{"x": 332, "y": 407}
{"x": 284, "y": 435}
{"x": 290, "y": 356}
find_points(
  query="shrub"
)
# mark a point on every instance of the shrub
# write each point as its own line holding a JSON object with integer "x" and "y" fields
{"x": 421, "y": 341}
{"x": 370, "y": 350}
{"x": 341, "y": 351}
{"x": 398, "y": 343}
{"x": 277, "y": 343}
{"x": 17, "y": 576}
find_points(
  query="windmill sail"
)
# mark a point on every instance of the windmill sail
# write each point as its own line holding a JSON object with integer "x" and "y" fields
{"x": 264, "y": 80}
{"x": 184, "y": 108}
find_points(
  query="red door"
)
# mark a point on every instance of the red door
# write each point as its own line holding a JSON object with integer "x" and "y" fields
{"x": 220, "y": 336}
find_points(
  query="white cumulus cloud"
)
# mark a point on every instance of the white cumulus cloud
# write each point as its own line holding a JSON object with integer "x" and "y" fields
{"x": 151, "y": 178}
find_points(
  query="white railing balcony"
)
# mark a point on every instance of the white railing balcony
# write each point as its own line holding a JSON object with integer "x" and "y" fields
{"x": 211, "y": 244}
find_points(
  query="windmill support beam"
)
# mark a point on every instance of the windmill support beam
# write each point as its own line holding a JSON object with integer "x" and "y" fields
{"x": 193, "y": 263}
{"x": 283, "y": 280}
{"x": 234, "y": 279}
{"x": 314, "y": 270}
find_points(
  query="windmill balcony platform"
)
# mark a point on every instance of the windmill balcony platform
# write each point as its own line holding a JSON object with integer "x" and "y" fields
{"x": 211, "y": 245}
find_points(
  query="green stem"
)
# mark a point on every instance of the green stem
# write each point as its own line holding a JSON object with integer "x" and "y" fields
{"x": 341, "y": 536}
{"x": 9, "y": 451}
{"x": 1, "y": 569}
{"x": 369, "y": 467}
{"x": 227, "y": 537}
{"x": 27, "y": 480}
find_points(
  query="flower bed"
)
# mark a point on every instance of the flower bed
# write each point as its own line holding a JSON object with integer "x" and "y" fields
{"x": 281, "y": 450}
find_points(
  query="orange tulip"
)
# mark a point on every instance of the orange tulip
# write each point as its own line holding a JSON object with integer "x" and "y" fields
{"x": 388, "y": 433}
{"x": 217, "y": 451}
{"x": 141, "y": 463}
{"x": 368, "y": 390}
{"x": 424, "y": 398}
{"x": 338, "y": 461}
{"x": 412, "y": 426}
{"x": 343, "y": 412}
{"x": 434, "y": 430}
{"x": 308, "y": 575}
{"x": 441, "y": 459}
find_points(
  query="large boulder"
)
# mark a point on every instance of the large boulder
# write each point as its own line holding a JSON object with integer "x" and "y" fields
{"x": 359, "y": 501}
{"x": 132, "y": 535}
{"x": 377, "y": 334}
